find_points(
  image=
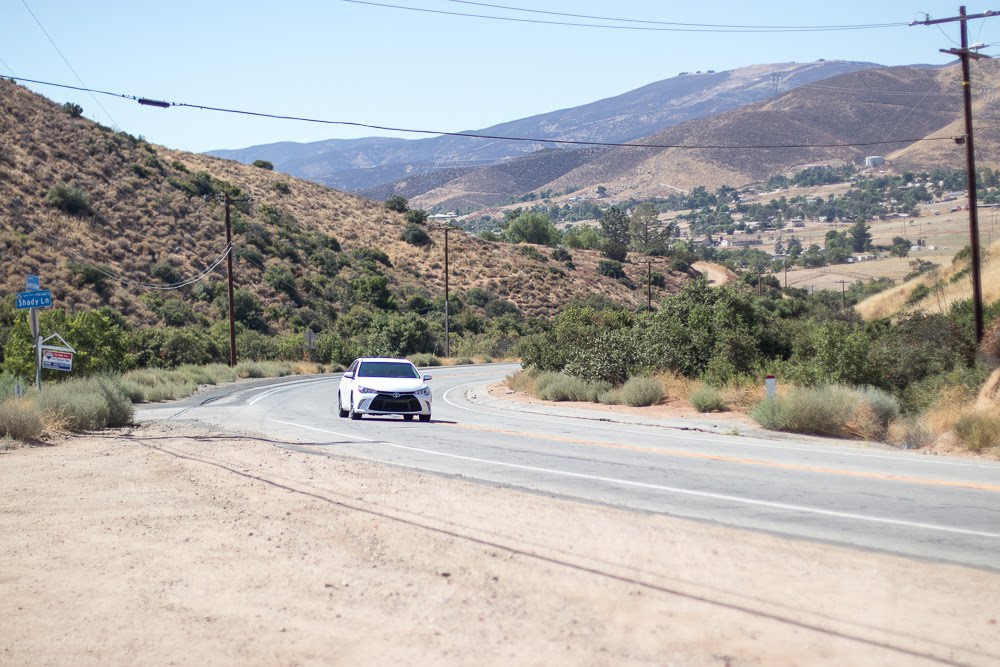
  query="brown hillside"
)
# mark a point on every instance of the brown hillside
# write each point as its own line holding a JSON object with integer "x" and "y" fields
{"x": 868, "y": 106}
{"x": 143, "y": 223}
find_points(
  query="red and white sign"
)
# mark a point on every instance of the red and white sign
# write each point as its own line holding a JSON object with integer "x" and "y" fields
{"x": 57, "y": 360}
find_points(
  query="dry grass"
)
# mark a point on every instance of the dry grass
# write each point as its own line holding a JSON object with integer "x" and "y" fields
{"x": 943, "y": 291}
{"x": 41, "y": 147}
{"x": 675, "y": 387}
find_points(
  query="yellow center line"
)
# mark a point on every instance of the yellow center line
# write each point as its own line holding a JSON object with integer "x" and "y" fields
{"x": 992, "y": 488}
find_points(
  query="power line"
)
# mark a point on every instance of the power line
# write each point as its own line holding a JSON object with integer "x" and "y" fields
{"x": 476, "y": 135}
{"x": 64, "y": 59}
{"x": 675, "y": 28}
{"x": 689, "y": 25}
{"x": 127, "y": 282}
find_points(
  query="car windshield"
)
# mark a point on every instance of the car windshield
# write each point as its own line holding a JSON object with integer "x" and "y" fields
{"x": 386, "y": 369}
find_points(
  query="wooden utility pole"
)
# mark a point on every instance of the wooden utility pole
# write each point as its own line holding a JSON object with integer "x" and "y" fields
{"x": 843, "y": 294}
{"x": 229, "y": 280}
{"x": 965, "y": 54}
{"x": 447, "y": 336}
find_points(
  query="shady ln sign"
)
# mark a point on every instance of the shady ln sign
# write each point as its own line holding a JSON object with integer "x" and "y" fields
{"x": 34, "y": 299}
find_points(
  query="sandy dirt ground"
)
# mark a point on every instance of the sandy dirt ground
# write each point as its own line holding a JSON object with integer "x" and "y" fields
{"x": 175, "y": 544}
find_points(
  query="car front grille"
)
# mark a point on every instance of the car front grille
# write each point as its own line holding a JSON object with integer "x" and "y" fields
{"x": 395, "y": 403}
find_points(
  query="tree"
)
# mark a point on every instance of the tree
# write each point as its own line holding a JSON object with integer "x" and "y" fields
{"x": 263, "y": 164}
{"x": 648, "y": 235}
{"x": 532, "y": 228}
{"x": 615, "y": 225}
{"x": 900, "y": 246}
{"x": 861, "y": 238}
{"x": 397, "y": 203}
{"x": 416, "y": 216}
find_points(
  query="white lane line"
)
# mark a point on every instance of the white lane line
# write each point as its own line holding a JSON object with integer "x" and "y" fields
{"x": 754, "y": 442}
{"x": 275, "y": 389}
{"x": 322, "y": 430}
{"x": 669, "y": 489}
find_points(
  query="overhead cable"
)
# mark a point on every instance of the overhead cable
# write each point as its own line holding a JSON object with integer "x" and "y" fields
{"x": 477, "y": 135}
{"x": 607, "y": 26}
{"x": 682, "y": 24}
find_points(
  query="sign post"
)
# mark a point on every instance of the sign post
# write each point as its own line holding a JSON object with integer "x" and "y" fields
{"x": 33, "y": 298}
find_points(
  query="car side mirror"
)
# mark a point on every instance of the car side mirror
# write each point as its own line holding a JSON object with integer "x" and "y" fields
{"x": 349, "y": 375}
{"x": 427, "y": 377}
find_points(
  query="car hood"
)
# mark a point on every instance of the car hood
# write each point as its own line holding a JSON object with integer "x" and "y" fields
{"x": 391, "y": 384}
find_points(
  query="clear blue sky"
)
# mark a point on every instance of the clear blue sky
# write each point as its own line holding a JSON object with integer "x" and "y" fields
{"x": 343, "y": 61}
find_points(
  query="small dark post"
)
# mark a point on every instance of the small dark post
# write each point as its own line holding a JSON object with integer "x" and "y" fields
{"x": 229, "y": 276}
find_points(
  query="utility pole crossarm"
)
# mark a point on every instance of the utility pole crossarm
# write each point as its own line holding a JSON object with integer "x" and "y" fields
{"x": 951, "y": 19}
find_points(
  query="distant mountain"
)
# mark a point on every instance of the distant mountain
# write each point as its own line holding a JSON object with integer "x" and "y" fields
{"x": 888, "y": 109}
{"x": 362, "y": 164}
{"x": 878, "y": 107}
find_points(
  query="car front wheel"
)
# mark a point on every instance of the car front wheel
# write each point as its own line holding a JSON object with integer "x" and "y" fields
{"x": 340, "y": 408}
{"x": 354, "y": 415}
{"x": 425, "y": 418}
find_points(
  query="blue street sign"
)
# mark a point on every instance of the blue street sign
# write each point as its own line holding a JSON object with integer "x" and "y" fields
{"x": 37, "y": 299}
{"x": 32, "y": 284}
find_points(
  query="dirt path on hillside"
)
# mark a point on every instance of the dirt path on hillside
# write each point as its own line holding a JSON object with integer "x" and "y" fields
{"x": 174, "y": 544}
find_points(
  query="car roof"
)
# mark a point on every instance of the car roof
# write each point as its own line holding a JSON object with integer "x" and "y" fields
{"x": 391, "y": 359}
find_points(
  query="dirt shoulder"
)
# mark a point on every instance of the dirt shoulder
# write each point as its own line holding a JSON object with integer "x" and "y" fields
{"x": 177, "y": 544}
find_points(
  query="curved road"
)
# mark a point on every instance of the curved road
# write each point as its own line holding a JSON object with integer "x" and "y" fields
{"x": 909, "y": 504}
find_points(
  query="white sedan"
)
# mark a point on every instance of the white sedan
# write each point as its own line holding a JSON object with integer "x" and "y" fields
{"x": 381, "y": 386}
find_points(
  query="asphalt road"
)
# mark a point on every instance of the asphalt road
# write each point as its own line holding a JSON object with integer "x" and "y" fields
{"x": 929, "y": 507}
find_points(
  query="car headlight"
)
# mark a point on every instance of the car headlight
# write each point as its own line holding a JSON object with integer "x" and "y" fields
{"x": 426, "y": 391}
{"x": 366, "y": 390}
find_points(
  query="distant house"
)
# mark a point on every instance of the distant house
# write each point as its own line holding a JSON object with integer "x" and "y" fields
{"x": 874, "y": 161}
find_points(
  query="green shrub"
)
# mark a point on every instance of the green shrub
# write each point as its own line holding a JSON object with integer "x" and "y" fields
{"x": 707, "y": 398}
{"x": 74, "y": 110}
{"x": 20, "y": 419}
{"x": 424, "y": 359}
{"x": 76, "y": 405}
{"x": 249, "y": 369}
{"x": 120, "y": 410}
{"x": 562, "y": 387}
{"x": 415, "y": 234}
{"x": 611, "y": 268}
{"x": 69, "y": 199}
{"x": 283, "y": 187}
{"x": 642, "y": 391}
{"x": 154, "y": 385}
{"x": 978, "y": 430}
{"x": 823, "y": 410}
{"x": 263, "y": 164}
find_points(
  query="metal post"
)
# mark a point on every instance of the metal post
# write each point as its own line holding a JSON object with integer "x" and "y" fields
{"x": 447, "y": 336}
{"x": 232, "y": 309}
{"x": 33, "y": 323}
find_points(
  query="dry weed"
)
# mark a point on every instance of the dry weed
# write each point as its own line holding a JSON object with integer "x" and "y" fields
{"x": 675, "y": 387}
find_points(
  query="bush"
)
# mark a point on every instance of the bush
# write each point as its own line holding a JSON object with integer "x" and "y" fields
{"x": 641, "y": 391}
{"x": 424, "y": 359}
{"x": 75, "y": 405}
{"x": 74, "y": 110}
{"x": 611, "y": 269}
{"x": 20, "y": 419}
{"x": 416, "y": 235}
{"x": 70, "y": 200}
{"x": 120, "y": 410}
{"x": 283, "y": 187}
{"x": 707, "y": 398}
{"x": 978, "y": 430}
{"x": 263, "y": 164}
{"x": 562, "y": 387}
{"x": 823, "y": 410}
